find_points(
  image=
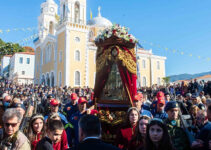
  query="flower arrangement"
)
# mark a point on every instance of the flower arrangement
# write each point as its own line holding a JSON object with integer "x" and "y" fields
{"x": 116, "y": 31}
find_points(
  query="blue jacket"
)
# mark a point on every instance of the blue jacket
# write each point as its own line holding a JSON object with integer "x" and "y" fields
{"x": 70, "y": 109}
{"x": 74, "y": 121}
{"x": 162, "y": 115}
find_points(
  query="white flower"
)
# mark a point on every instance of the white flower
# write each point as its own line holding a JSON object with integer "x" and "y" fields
{"x": 121, "y": 32}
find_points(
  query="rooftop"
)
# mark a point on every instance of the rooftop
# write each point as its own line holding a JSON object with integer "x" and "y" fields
{"x": 27, "y": 53}
{"x": 204, "y": 77}
{"x": 7, "y": 55}
{"x": 28, "y": 49}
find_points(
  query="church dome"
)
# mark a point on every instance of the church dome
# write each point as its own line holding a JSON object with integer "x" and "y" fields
{"x": 99, "y": 21}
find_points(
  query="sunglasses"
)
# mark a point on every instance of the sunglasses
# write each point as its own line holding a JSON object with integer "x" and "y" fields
{"x": 11, "y": 124}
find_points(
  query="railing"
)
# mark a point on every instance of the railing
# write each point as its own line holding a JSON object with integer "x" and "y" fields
{"x": 71, "y": 20}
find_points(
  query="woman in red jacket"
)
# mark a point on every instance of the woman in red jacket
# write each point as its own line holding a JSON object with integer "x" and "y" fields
{"x": 127, "y": 131}
{"x": 36, "y": 130}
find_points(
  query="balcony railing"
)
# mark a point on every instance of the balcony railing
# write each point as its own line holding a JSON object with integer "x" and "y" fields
{"x": 71, "y": 20}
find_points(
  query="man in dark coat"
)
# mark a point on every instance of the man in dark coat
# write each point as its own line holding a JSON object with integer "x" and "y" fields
{"x": 176, "y": 132}
{"x": 89, "y": 135}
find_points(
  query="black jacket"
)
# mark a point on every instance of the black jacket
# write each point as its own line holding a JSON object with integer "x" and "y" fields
{"x": 95, "y": 144}
{"x": 45, "y": 144}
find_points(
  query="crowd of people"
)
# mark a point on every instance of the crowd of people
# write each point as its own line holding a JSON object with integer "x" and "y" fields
{"x": 38, "y": 117}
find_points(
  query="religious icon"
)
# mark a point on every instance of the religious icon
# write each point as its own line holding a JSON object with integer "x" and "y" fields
{"x": 114, "y": 89}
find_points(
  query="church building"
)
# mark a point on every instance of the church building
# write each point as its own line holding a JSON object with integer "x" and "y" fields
{"x": 65, "y": 52}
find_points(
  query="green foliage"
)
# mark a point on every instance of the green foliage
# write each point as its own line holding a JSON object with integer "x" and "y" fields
{"x": 9, "y": 48}
{"x": 166, "y": 80}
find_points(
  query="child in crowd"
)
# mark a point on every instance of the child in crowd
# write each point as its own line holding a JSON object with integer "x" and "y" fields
{"x": 54, "y": 132}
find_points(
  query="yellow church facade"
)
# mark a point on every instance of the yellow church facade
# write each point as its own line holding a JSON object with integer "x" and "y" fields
{"x": 151, "y": 68}
{"x": 65, "y": 52}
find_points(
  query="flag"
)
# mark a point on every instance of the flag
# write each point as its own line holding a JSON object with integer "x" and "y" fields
{"x": 90, "y": 14}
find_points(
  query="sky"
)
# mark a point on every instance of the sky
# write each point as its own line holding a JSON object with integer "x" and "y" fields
{"x": 180, "y": 30}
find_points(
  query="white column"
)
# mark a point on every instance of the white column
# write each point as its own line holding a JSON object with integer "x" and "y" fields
{"x": 41, "y": 62}
{"x": 81, "y": 13}
{"x": 151, "y": 70}
{"x": 69, "y": 13}
{"x": 55, "y": 61}
{"x": 67, "y": 58}
{"x": 73, "y": 12}
{"x": 87, "y": 61}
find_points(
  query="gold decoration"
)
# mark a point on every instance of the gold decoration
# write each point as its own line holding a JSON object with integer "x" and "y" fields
{"x": 123, "y": 56}
{"x": 102, "y": 59}
{"x": 128, "y": 61}
{"x": 113, "y": 118}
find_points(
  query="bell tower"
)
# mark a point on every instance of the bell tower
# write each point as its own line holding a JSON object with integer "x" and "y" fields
{"x": 48, "y": 18}
{"x": 73, "y": 11}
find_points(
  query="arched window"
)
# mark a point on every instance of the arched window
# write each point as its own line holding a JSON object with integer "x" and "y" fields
{"x": 77, "y": 78}
{"x": 49, "y": 52}
{"x": 60, "y": 56}
{"x": 55, "y": 53}
{"x": 45, "y": 55}
{"x": 51, "y": 28}
{"x": 41, "y": 55}
{"x": 158, "y": 81}
{"x": 43, "y": 79}
{"x": 158, "y": 65}
{"x": 144, "y": 81}
{"x": 52, "y": 79}
{"x": 77, "y": 39}
{"x": 77, "y": 55}
{"x": 91, "y": 36}
{"x": 77, "y": 12}
{"x": 48, "y": 79}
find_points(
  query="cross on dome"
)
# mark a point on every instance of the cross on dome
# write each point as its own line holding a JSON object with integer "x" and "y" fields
{"x": 99, "y": 13}
{"x": 99, "y": 21}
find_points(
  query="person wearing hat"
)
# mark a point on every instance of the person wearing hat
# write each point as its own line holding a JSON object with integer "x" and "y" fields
{"x": 82, "y": 110}
{"x": 176, "y": 132}
{"x": 46, "y": 104}
{"x": 158, "y": 95}
{"x": 71, "y": 107}
{"x": 137, "y": 102}
{"x": 54, "y": 108}
{"x": 188, "y": 101}
{"x": 159, "y": 111}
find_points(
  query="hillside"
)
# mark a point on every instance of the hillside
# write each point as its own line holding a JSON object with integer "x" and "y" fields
{"x": 187, "y": 76}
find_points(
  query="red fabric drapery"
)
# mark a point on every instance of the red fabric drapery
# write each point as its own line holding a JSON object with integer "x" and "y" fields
{"x": 128, "y": 78}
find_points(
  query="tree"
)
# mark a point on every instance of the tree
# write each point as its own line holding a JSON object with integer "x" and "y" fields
{"x": 166, "y": 80}
{"x": 9, "y": 48}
